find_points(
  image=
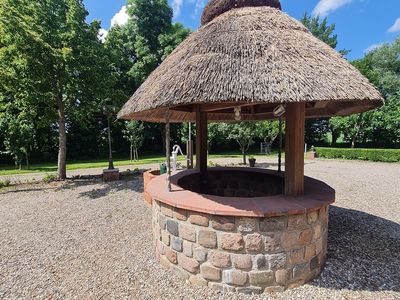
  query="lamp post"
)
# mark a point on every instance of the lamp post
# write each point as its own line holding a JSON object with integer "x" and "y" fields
{"x": 279, "y": 111}
{"x": 109, "y": 111}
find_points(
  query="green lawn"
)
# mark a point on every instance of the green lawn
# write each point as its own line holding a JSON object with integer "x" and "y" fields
{"x": 88, "y": 164}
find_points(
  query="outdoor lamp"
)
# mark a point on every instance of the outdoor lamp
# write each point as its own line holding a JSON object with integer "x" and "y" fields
{"x": 238, "y": 113}
{"x": 279, "y": 111}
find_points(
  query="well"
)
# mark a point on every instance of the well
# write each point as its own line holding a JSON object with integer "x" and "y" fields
{"x": 244, "y": 244}
{"x": 239, "y": 229}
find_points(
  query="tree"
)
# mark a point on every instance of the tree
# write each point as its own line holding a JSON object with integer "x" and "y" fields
{"x": 148, "y": 21}
{"x": 320, "y": 29}
{"x": 121, "y": 57}
{"x": 268, "y": 131}
{"x": 170, "y": 40}
{"x": 351, "y": 127}
{"x": 316, "y": 129}
{"x": 381, "y": 127}
{"x": 133, "y": 133}
{"x": 153, "y": 36}
{"x": 61, "y": 54}
{"x": 216, "y": 133}
{"x": 243, "y": 133}
{"x": 18, "y": 138}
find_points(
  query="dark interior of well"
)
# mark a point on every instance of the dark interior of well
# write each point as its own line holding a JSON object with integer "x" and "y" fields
{"x": 233, "y": 183}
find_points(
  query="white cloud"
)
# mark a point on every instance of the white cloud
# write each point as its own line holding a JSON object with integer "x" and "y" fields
{"x": 325, "y": 7}
{"x": 395, "y": 27}
{"x": 102, "y": 34}
{"x": 120, "y": 18}
{"x": 199, "y": 5}
{"x": 176, "y": 7}
{"x": 373, "y": 47}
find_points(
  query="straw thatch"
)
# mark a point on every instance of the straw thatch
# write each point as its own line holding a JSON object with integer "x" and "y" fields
{"x": 215, "y": 8}
{"x": 255, "y": 57}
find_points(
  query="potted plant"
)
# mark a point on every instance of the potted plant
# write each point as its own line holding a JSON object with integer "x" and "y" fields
{"x": 252, "y": 161}
{"x": 313, "y": 153}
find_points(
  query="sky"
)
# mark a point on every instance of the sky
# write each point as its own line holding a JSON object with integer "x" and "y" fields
{"x": 361, "y": 25}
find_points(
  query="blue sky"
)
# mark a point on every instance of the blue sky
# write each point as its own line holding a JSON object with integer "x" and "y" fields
{"x": 360, "y": 24}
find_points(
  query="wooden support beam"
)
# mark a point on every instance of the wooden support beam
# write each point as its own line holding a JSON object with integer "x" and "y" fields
{"x": 168, "y": 146}
{"x": 201, "y": 140}
{"x": 294, "y": 149}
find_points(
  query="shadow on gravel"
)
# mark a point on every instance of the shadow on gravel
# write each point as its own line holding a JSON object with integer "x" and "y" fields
{"x": 363, "y": 252}
{"x": 275, "y": 165}
{"x": 135, "y": 184}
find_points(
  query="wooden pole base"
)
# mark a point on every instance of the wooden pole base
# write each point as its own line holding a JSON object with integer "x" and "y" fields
{"x": 201, "y": 140}
{"x": 294, "y": 149}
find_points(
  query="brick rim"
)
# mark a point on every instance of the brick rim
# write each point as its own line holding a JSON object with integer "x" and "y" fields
{"x": 317, "y": 194}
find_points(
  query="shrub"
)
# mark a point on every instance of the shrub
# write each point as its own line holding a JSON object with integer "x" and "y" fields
{"x": 382, "y": 155}
{"x": 49, "y": 178}
{"x": 5, "y": 183}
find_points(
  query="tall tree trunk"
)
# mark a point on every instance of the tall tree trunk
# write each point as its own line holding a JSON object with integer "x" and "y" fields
{"x": 110, "y": 160}
{"x": 353, "y": 142}
{"x": 27, "y": 160}
{"x": 244, "y": 157}
{"x": 62, "y": 140}
{"x": 131, "y": 152}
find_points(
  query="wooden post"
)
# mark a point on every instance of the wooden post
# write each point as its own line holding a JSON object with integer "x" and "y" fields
{"x": 168, "y": 147}
{"x": 294, "y": 149}
{"x": 189, "y": 157}
{"x": 201, "y": 140}
{"x": 280, "y": 146}
{"x": 189, "y": 149}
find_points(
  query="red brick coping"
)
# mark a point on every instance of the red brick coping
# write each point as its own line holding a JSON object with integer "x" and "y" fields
{"x": 317, "y": 195}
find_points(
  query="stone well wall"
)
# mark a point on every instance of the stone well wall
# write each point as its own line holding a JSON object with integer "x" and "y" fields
{"x": 249, "y": 255}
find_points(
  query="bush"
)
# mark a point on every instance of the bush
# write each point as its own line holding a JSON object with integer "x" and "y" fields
{"x": 49, "y": 178}
{"x": 5, "y": 183}
{"x": 383, "y": 155}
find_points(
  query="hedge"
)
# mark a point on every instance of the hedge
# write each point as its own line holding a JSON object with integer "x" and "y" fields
{"x": 383, "y": 155}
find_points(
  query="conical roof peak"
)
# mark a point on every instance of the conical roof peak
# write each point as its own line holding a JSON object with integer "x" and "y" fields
{"x": 215, "y": 8}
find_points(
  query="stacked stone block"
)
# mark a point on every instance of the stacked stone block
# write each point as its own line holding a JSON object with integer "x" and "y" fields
{"x": 248, "y": 255}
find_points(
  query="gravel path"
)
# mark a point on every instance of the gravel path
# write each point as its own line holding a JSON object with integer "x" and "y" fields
{"x": 93, "y": 240}
{"x": 35, "y": 177}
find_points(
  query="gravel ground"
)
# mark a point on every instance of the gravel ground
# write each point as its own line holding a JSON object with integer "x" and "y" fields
{"x": 93, "y": 240}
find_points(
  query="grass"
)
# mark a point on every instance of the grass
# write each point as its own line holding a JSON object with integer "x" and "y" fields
{"x": 90, "y": 164}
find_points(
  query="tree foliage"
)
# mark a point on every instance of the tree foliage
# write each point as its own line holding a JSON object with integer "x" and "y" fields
{"x": 316, "y": 129}
{"x": 380, "y": 127}
{"x": 18, "y": 138}
{"x": 133, "y": 133}
{"x": 58, "y": 80}
{"x": 268, "y": 131}
{"x": 320, "y": 29}
{"x": 244, "y": 133}
{"x": 50, "y": 45}
{"x": 53, "y": 66}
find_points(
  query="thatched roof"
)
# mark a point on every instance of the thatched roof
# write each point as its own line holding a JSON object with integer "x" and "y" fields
{"x": 254, "y": 57}
{"x": 215, "y": 8}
